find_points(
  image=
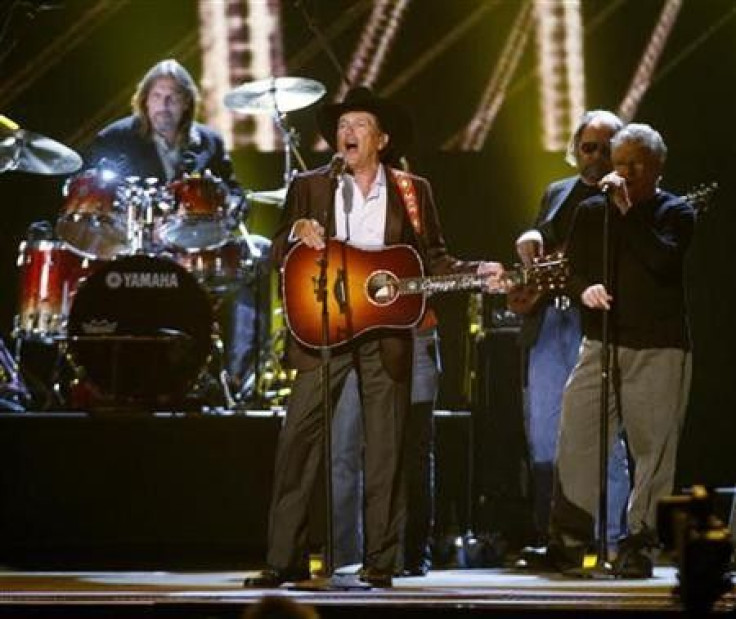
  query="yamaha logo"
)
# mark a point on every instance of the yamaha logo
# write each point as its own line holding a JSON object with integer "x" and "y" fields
{"x": 142, "y": 279}
{"x": 113, "y": 279}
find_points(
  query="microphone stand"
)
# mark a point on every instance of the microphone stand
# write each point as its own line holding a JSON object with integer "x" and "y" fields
{"x": 602, "y": 555}
{"x": 602, "y": 569}
{"x": 329, "y": 580}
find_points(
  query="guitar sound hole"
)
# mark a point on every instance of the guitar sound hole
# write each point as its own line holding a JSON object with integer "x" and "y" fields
{"x": 382, "y": 288}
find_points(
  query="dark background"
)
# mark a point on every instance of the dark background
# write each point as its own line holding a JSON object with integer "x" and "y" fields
{"x": 485, "y": 198}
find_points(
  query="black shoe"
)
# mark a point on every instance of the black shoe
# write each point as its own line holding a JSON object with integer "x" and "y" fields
{"x": 270, "y": 579}
{"x": 376, "y": 578}
{"x": 633, "y": 559}
{"x": 412, "y": 571}
{"x": 549, "y": 559}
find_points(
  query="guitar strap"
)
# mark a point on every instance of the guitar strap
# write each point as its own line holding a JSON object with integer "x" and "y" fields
{"x": 409, "y": 198}
{"x": 411, "y": 204}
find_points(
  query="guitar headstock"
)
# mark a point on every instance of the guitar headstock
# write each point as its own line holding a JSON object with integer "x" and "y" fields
{"x": 546, "y": 272}
{"x": 701, "y": 196}
{"x": 527, "y": 285}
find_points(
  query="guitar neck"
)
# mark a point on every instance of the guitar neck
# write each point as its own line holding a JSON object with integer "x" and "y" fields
{"x": 458, "y": 282}
{"x": 432, "y": 284}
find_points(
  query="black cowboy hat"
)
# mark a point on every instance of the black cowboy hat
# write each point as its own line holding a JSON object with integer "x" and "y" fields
{"x": 392, "y": 119}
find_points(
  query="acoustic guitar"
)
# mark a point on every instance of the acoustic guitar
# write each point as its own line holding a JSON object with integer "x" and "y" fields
{"x": 372, "y": 288}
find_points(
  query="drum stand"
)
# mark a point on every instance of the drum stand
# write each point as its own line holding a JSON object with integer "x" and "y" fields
{"x": 223, "y": 377}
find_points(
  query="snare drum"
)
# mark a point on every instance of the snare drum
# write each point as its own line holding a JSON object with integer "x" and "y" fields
{"x": 92, "y": 219}
{"x": 49, "y": 274}
{"x": 198, "y": 220}
{"x": 141, "y": 327}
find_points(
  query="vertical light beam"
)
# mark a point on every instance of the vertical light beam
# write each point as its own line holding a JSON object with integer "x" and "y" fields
{"x": 560, "y": 68}
{"x": 643, "y": 76}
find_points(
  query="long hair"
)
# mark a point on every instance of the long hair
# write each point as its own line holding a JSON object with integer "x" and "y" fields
{"x": 187, "y": 87}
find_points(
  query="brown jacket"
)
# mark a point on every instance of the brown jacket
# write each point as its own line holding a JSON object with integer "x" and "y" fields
{"x": 310, "y": 196}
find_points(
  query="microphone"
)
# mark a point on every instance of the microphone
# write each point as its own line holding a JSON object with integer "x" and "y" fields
{"x": 337, "y": 166}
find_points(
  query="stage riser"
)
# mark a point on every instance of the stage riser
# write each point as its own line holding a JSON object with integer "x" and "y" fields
{"x": 134, "y": 491}
{"x": 137, "y": 491}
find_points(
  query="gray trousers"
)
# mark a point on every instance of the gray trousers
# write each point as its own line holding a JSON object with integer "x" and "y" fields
{"x": 648, "y": 398}
{"x": 418, "y": 463}
{"x": 300, "y": 454}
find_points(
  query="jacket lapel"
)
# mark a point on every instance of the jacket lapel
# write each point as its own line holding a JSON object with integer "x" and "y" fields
{"x": 559, "y": 198}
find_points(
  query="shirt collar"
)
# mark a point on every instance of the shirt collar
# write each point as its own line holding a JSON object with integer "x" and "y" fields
{"x": 194, "y": 139}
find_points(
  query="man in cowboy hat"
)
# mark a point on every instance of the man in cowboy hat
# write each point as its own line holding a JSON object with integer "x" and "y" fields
{"x": 376, "y": 205}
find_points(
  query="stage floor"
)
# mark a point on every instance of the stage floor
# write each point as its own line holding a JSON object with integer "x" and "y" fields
{"x": 481, "y": 592}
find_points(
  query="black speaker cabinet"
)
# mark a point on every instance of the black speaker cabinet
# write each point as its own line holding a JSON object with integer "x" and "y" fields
{"x": 503, "y": 503}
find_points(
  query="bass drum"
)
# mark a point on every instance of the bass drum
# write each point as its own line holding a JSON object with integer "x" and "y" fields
{"x": 141, "y": 328}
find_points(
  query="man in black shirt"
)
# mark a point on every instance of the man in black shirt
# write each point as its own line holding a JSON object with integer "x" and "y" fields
{"x": 551, "y": 331}
{"x": 650, "y": 230}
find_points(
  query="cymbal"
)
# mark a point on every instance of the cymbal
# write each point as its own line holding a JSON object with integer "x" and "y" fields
{"x": 31, "y": 152}
{"x": 273, "y": 196}
{"x": 275, "y": 94}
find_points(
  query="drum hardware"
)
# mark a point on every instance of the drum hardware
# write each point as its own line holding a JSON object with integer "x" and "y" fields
{"x": 24, "y": 151}
{"x": 277, "y": 197}
{"x": 144, "y": 200}
{"x": 14, "y": 394}
{"x": 270, "y": 386}
{"x": 277, "y": 96}
{"x": 214, "y": 377}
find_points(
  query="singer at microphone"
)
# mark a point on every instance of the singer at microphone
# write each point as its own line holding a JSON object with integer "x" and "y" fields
{"x": 613, "y": 185}
{"x": 385, "y": 208}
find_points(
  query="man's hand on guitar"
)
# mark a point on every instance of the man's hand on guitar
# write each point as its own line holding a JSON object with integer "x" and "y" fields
{"x": 596, "y": 297}
{"x": 310, "y": 232}
{"x": 495, "y": 281}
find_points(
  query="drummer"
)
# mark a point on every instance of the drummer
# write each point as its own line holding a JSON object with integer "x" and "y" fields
{"x": 161, "y": 139}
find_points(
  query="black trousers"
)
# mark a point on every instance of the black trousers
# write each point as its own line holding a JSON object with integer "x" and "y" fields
{"x": 386, "y": 404}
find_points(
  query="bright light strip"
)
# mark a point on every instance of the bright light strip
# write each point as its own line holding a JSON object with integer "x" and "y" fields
{"x": 476, "y": 132}
{"x": 439, "y": 47}
{"x": 215, "y": 83}
{"x": 262, "y": 28}
{"x": 373, "y": 47}
{"x": 643, "y": 76}
{"x": 375, "y": 43}
{"x": 241, "y": 42}
{"x": 560, "y": 68}
{"x": 574, "y": 65}
{"x": 549, "y": 62}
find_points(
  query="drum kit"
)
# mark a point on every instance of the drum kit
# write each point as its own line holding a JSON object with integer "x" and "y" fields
{"x": 127, "y": 291}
